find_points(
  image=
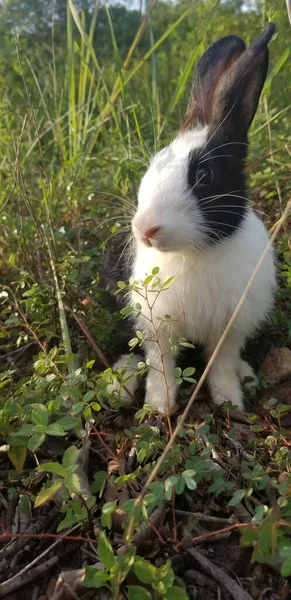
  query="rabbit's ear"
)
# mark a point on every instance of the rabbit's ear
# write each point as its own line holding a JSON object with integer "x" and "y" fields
{"x": 209, "y": 72}
{"x": 228, "y": 83}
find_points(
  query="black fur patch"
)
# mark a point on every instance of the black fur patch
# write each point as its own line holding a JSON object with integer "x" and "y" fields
{"x": 222, "y": 202}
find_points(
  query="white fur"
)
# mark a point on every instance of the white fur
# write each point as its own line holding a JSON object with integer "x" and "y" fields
{"x": 208, "y": 281}
{"x": 164, "y": 199}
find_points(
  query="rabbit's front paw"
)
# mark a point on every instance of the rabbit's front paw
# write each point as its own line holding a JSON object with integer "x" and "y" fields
{"x": 247, "y": 375}
{"x": 161, "y": 400}
{"x": 161, "y": 405}
{"x": 227, "y": 390}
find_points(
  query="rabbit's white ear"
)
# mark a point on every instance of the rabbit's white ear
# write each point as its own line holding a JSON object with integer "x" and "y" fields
{"x": 228, "y": 82}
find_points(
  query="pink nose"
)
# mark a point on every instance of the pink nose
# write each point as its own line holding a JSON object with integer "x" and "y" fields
{"x": 150, "y": 233}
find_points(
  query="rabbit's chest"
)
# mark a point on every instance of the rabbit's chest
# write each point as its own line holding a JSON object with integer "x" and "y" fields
{"x": 193, "y": 299}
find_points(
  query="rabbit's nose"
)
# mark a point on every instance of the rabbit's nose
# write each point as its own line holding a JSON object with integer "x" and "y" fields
{"x": 150, "y": 233}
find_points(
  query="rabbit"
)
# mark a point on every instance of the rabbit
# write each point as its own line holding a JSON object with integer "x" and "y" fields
{"x": 193, "y": 221}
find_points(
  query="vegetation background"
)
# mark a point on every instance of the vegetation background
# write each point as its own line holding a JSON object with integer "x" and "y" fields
{"x": 88, "y": 93}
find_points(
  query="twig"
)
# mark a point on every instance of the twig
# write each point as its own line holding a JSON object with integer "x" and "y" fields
{"x": 88, "y": 336}
{"x": 95, "y": 347}
{"x": 20, "y": 574}
{"x": 234, "y": 415}
{"x": 237, "y": 592}
{"x": 13, "y": 584}
{"x": 173, "y": 437}
{"x": 4, "y": 537}
{"x": 201, "y": 516}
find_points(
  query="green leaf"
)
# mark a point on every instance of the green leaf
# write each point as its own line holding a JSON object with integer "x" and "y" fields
{"x": 54, "y": 468}
{"x": 26, "y": 429}
{"x": 168, "y": 281}
{"x": 87, "y": 413}
{"x": 180, "y": 486}
{"x": 96, "y": 406}
{"x": 249, "y": 535}
{"x": 68, "y": 521}
{"x": 133, "y": 342}
{"x": 94, "y": 578}
{"x": 144, "y": 571}
{"x": 149, "y": 499}
{"x": 69, "y": 422}
{"x": 90, "y": 364}
{"x": 175, "y": 350}
{"x": 172, "y": 480}
{"x": 55, "y": 429}
{"x": 285, "y": 552}
{"x": 121, "y": 285}
{"x": 105, "y": 551}
{"x": 73, "y": 483}
{"x": 148, "y": 279}
{"x": 157, "y": 488}
{"x": 126, "y": 310}
{"x": 125, "y": 562}
{"x": 191, "y": 484}
{"x": 137, "y": 592}
{"x": 141, "y": 455}
{"x": 40, "y": 415}
{"x": 100, "y": 479}
{"x": 286, "y": 568}
{"x": 237, "y": 497}
{"x": 107, "y": 511}
{"x": 47, "y": 493}
{"x": 70, "y": 457}
{"x": 17, "y": 455}
{"x": 189, "y": 474}
{"x": 178, "y": 372}
{"x": 89, "y": 396}
{"x": 186, "y": 345}
{"x": 169, "y": 485}
{"x": 260, "y": 512}
{"x": 188, "y": 372}
{"x": 166, "y": 574}
{"x": 36, "y": 441}
{"x": 175, "y": 593}
{"x": 155, "y": 270}
{"x": 78, "y": 408}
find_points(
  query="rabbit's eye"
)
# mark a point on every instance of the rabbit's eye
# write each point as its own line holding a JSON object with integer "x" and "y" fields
{"x": 203, "y": 175}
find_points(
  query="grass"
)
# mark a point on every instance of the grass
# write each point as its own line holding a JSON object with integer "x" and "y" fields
{"x": 79, "y": 123}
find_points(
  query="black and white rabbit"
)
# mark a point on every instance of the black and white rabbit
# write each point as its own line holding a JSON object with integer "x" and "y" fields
{"x": 193, "y": 221}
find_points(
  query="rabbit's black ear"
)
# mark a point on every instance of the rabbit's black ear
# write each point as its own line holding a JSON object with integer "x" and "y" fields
{"x": 209, "y": 71}
{"x": 228, "y": 83}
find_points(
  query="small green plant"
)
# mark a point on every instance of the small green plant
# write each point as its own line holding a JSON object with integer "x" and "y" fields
{"x": 159, "y": 581}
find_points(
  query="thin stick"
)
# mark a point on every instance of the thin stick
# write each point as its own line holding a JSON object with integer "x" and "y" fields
{"x": 13, "y": 584}
{"x": 18, "y": 575}
{"x": 215, "y": 572}
{"x": 88, "y": 335}
{"x": 95, "y": 347}
{"x": 173, "y": 437}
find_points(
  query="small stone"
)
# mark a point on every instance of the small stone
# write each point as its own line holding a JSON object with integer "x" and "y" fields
{"x": 277, "y": 365}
